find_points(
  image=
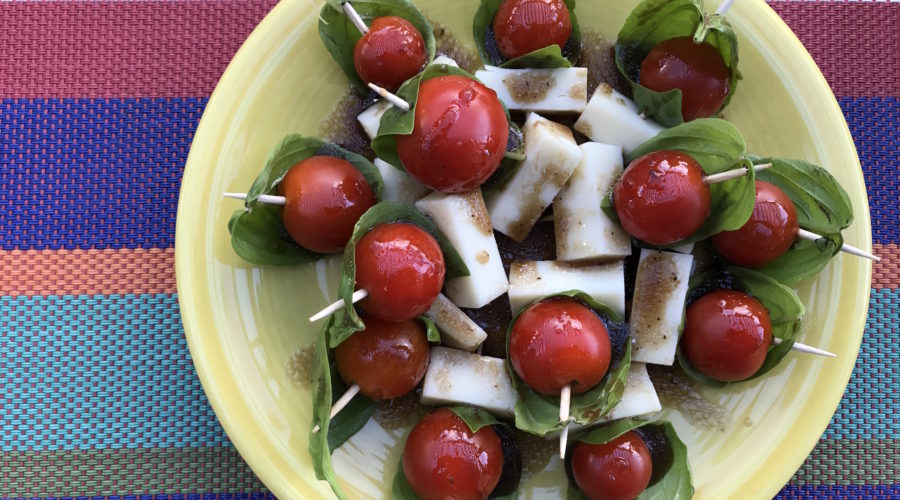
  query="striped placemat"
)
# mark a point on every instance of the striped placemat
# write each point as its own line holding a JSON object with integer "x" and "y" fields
{"x": 98, "y": 104}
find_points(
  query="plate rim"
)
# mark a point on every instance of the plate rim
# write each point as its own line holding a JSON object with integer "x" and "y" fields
{"x": 228, "y": 409}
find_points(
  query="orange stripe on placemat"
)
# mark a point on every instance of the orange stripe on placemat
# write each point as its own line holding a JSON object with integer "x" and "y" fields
{"x": 88, "y": 272}
{"x": 886, "y": 274}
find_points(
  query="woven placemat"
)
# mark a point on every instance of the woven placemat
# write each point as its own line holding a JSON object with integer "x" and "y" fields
{"x": 99, "y": 101}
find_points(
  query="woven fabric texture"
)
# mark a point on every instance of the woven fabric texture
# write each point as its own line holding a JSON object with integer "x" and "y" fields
{"x": 99, "y": 101}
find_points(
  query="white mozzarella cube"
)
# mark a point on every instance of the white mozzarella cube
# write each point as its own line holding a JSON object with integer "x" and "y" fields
{"x": 560, "y": 90}
{"x": 551, "y": 156}
{"x": 458, "y": 377}
{"x": 370, "y": 119}
{"x": 457, "y": 328}
{"x": 442, "y": 59}
{"x": 686, "y": 248}
{"x": 660, "y": 290}
{"x": 583, "y": 230}
{"x": 399, "y": 186}
{"x": 464, "y": 219}
{"x": 532, "y": 280}
{"x": 612, "y": 118}
{"x": 639, "y": 399}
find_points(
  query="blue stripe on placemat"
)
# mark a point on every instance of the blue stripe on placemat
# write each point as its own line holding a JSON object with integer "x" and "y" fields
{"x": 114, "y": 372}
{"x": 874, "y": 123}
{"x": 92, "y": 173}
{"x": 869, "y": 408}
{"x": 105, "y": 173}
{"x": 855, "y": 491}
{"x": 99, "y": 372}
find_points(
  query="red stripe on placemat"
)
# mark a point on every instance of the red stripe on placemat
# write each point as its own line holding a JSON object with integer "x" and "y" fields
{"x": 886, "y": 274}
{"x": 121, "y": 48}
{"x": 87, "y": 272}
{"x": 841, "y": 36}
{"x": 180, "y": 48}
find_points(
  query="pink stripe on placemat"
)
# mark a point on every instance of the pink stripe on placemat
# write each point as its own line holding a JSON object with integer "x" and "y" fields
{"x": 841, "y": 36}
{"x": 121, "y": 48}
{"x": 87, "y": 272}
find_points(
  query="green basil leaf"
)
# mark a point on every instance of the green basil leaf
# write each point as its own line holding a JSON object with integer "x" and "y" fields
{"x": 654, "y": 21}
{"x": 823, "y": 207}
{"x": 539, "y": 414}
{"x": 401, "y": 490}
{"x": 675, "y": 484}
{"x": 257, "y": 231}
{"x": 431, "y": 330}
{"x": 339, "y": 35}
{"x": 346, "y": 320}
{"x": 785, "y": 311}
{"x": 717, "y": 146}
{"x": 322, "y": 397}
{"x": 804, "y": 259}
{"x": 782, "y": 303}
{"x": 475, "y": 418}
{"x": 607, "y": 432}
{"x": 546, "y": 57}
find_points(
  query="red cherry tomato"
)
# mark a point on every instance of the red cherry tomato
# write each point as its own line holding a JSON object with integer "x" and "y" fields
{"x": 402, "y": 268}
{"x": 392, "y": 52}
{"x": 767, "y": 235}
{"x": 326, "y": 196}
{"x": 726, "y": 335}
{"x": 443, "y": 458}
{"x": 695, "y": 68}
{"x": 387, "y": 360}
{"x": 617, "y": 470}
{"x": 459, "y": 137}
{"x": 558, "y": 342}
{"x": 661, "y": 198}
{"x": 523, "y": 26}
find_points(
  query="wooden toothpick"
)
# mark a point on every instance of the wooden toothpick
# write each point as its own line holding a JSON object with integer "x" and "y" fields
{"x": 354, "y": 18}
{"x": 733, "y": 174}
{"x": 357, "y": 296}
{"x": 341, "y": 403}
{"x": 263, "y": 198}
{"x": 565, "y": 405}
{"x": 807, "y": 235}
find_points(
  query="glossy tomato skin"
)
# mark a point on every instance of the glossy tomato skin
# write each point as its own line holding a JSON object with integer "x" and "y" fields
{"x": 767, "y": 235}
{"x": 386, "y": 359}
{"x": 444, "y": 459}
{"x": 402, "y": 267}
{"x": 459, "y": 137}
{"x": 617, "y": 470}
{"x": 726, "y": 335}
{"x": 697, "y": 69}
{"x": 392, "y": 52}
{"x": 325, "y": 198}
{"x": 558, "y": 342}
{"x": 661, "y": 198}
{"x": 523, "y": 26}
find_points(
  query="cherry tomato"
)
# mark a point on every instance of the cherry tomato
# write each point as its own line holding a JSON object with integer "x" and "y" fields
{"x": 523, "y": 26}
{"x": 392, "y": 52}
{"x": 459, "y": 137}
{"x": 402, "y": 268}
{"x": 558, "y": 342}
{"x": 617, "y": 470}
{"x": 767, "y": 235}
{"x": 661, "y": 198}
{"x": 326, "y": 196}
{"x": 695, "y": 68}
{"x": 726, "y": 335}
{"x": 443, "y": 458}
{"x": 387, "y": 360}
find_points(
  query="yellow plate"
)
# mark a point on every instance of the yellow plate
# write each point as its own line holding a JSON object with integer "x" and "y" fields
{"x": 243, "y": 323}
